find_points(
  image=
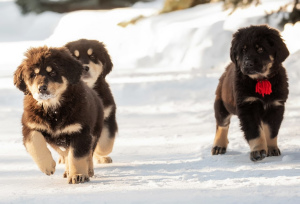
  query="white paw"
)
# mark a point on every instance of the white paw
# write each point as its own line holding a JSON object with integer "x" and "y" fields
{"x": 78, "y": 178}
{"x": 48, "y": 167}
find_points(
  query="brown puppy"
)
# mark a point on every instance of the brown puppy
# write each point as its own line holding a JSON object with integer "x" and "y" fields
{"x": 96, "y": 65}
{"x": 59, "y": 109}
{"x": 255, "y": 88}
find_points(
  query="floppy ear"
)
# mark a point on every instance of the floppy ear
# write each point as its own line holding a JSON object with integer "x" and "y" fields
{"x": 277, "y": 42}
{"x": 107, "y": 66}
{"x": 19, "y": 79}
{"x": 233, "y": 48}
{"x": 72, "y": 68}
{"x": 105, "y": 59}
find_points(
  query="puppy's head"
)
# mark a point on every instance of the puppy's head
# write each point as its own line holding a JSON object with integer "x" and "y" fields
{"x": 257, "y": 51}
{"x": 46, "y": 73}
{"x": 94, "y": 57}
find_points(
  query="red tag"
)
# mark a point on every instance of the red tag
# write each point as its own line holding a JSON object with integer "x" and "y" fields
{"x": 263, "y": 87}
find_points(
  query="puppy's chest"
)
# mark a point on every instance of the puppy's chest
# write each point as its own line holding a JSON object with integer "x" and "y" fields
{"x": 55, "y": 127}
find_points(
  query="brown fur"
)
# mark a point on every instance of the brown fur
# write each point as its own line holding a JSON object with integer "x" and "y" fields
{"x": 59, "y": 109}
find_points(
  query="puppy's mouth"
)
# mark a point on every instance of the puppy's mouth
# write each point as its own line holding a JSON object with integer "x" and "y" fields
{"x": 43, "y": 96}
{"x": 246, "y": 71}
{"x": 85, "y": 75}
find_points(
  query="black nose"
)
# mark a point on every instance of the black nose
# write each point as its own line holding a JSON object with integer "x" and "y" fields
{"x": 42, "y": 88}
{"x": 249, "y": 63}
{"x": 86, "y": 68}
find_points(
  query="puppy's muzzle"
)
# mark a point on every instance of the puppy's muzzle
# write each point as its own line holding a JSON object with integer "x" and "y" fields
{"x": 86, "y": 68}
{"x": 43, "y": 89}
{"x": 248, "y": 67}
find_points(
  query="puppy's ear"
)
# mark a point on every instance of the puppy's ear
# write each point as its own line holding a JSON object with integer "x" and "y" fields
{"x": 107, "y": 63}
{"x": 277, "y": 42}
{"x": 19, "y": 79}
{"x": 233, "y": 48}
{"x": 71, "y": 67}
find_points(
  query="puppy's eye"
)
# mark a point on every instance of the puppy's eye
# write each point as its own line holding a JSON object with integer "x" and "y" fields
{"x": 244, "y": 49}
{"x": 92, "y": 57}
{"x": 52, "y": 74}
{"x": 260, "y": 50}
{"x": 32, "y": 75}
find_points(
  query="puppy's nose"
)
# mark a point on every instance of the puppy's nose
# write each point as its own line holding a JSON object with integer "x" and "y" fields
{"x": 86, "y": 68}
{"x": 249, "y": 63}
{"x": 42, "y": 88}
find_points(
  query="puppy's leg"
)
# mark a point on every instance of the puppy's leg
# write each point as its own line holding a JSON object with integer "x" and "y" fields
{"x": 91, "y": 165}
{"x": 223, "y": 120}
{"x": 36, "y": 146}
{"x": 78, "y": 168}
{"x": 61, "y": 160}
{"x": 105, "y": 145}
{"x": 78, "y": 157}
{"x": 271, "y": 125}
{"x": 64, "y": 155}
{"x": 251, "y": 124}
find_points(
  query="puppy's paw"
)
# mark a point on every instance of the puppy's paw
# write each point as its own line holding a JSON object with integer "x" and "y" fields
{"x": 66, "y": 174}
{"x": 91, "y": 172}
{"x": 78, "y": 178}
{"x": 258, "y": 155}
{"x": 218, "y": 150}
{"x": 103, "y": 160}
{"x": 273, "y": 151}
{"x": 61, "y": 160}
{"x": 48, "y": 167}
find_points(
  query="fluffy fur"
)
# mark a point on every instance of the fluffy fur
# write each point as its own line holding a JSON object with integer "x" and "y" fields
{"x": 257, "y": 53}
{"x": 59, "y": 109}
{"x": 96, "y": 65}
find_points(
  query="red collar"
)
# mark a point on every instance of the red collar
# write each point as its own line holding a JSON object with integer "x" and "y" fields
{"x": 263, "y": 87}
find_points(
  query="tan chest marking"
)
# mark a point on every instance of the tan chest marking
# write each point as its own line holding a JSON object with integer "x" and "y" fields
{"x": 69, "y": 129}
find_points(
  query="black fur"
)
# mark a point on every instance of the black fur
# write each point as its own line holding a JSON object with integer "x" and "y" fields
{"x": 250, "y": 51}
{"x": 100, "y": 54}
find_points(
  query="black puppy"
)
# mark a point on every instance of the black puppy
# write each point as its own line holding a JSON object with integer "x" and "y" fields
{"x": 97, "y": 64}
{"x": 255, "y": 88}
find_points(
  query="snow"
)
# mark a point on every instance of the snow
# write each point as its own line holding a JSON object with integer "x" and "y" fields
{"x": 165, "y": 74}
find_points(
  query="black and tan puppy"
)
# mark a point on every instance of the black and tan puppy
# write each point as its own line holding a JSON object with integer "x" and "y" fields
{"x": 255, "y": 88}
{"x": 96, "y": 65}
{"x": 59, "y": 109}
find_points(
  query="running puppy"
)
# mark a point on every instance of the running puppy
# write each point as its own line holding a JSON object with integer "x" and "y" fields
{"x": 255, "y": 88}
{"x": 96, "y": 65}
{"x": 59, "y": 109}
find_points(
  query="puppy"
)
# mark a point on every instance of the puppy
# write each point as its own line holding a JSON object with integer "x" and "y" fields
{"x": 59, "y": 109}
{"x": 255, "y": 88}
{"x": 96, "y": 65}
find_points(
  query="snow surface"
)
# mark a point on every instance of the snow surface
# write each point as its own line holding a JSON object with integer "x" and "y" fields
{"x": 165, "y": 74}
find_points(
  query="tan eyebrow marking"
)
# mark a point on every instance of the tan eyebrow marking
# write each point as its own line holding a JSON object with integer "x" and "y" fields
{"x": 49, "y": 69}
{"x": 90, "y": 51}
{"x": 76, "y": 53}
{"x": 36, "y": 70}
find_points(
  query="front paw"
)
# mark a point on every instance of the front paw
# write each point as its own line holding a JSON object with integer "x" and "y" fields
{"x": 273, "y": 151}
{"x": 258, "y": 155}
{"x": 103, "y": 160}
{"x": 48, "y": 167}
{"x": 66, "y": 174}
{"x": 78, "y": 178}
{"x": 218, "y": 150}
{"x": 91, "y": 172}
